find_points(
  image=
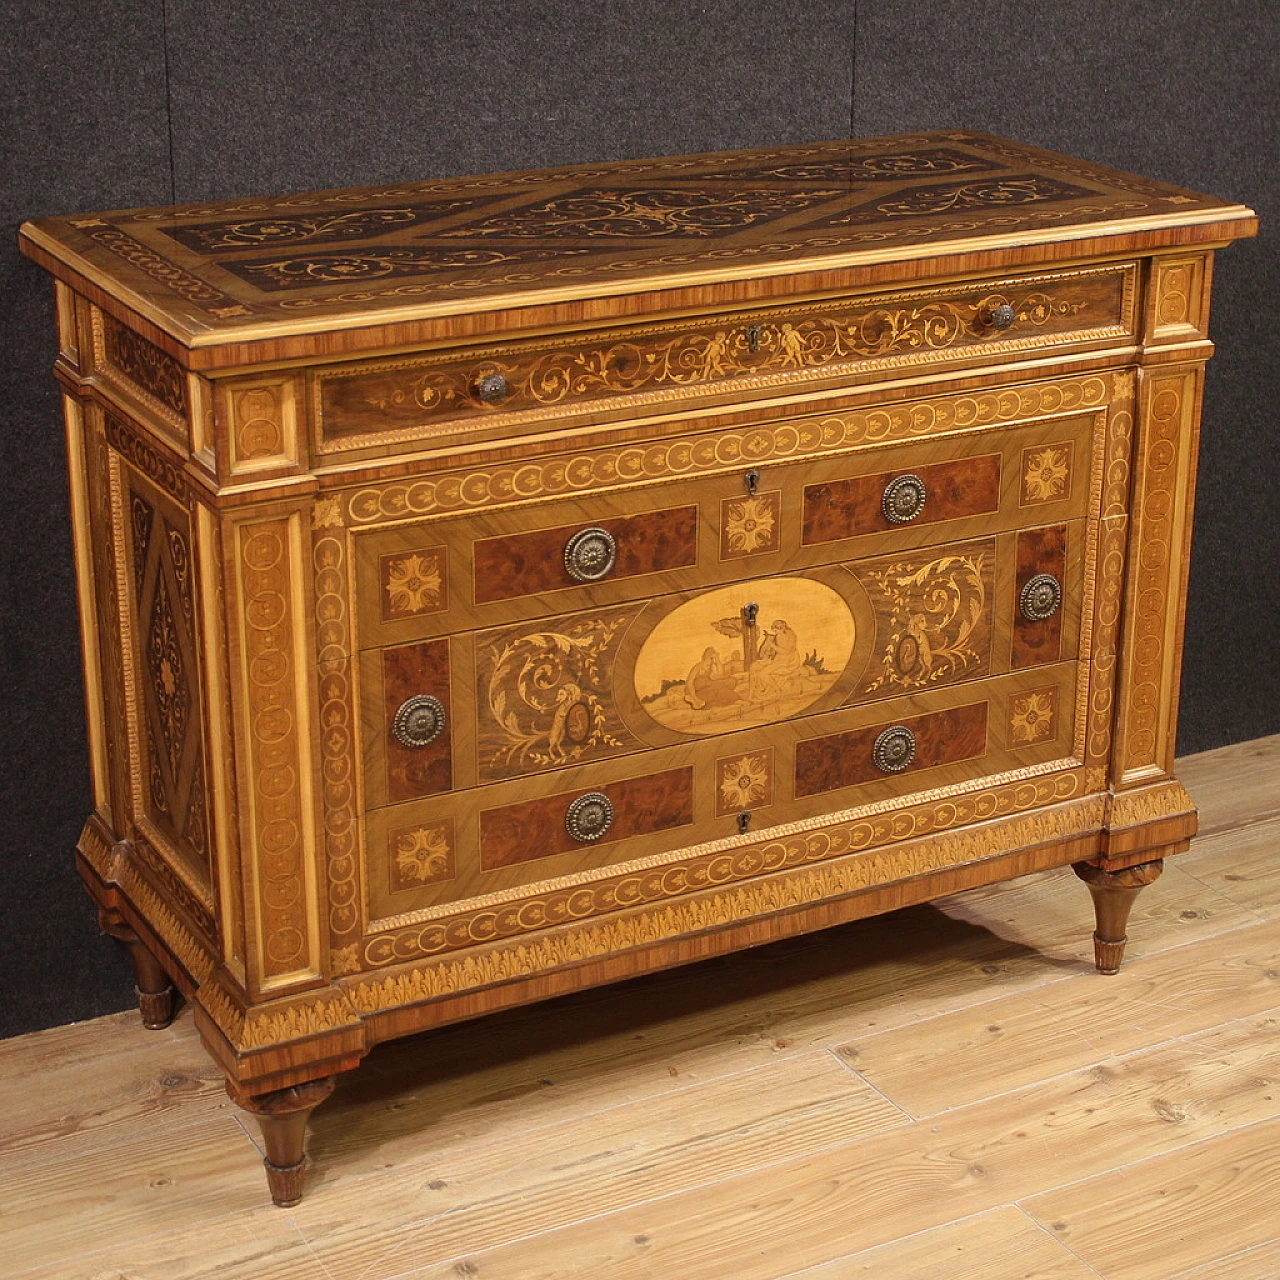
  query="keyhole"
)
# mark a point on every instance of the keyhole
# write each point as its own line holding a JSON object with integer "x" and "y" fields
{"x": 753, "y": 337}
{"x": 744, "y": 821}
{"x": 749, "y": 612}
{"x": 753, "y": 481}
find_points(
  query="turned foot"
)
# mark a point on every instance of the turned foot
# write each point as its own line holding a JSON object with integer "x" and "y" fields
{"x": 283, "y": 1116}
{"x": 153, "y": 988}
{"x": 1113, "y": 894}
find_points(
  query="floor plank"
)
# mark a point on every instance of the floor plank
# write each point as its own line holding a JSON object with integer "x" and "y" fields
{"x": 826, "y": 1204}
{"x": 976, "y": 1053}
{"x": 1001, "y": 1245}
{"x": 1260, "y": 1263}
{"x": 699, "y": 1123}
{"x": 1234, "y": 785}
{"x": 1176, "y": 1211}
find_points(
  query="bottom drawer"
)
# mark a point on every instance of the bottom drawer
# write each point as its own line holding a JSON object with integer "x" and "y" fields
{"x": 505, "y": 841}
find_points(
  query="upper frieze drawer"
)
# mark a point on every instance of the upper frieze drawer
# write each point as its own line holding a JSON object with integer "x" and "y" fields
{"x": 490, "y": 389}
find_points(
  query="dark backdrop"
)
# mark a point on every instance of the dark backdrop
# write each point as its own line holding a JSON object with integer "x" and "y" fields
{"x": 112, "y": 103}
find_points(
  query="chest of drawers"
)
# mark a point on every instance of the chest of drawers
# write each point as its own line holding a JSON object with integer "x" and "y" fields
{"x": 498, "y": 586}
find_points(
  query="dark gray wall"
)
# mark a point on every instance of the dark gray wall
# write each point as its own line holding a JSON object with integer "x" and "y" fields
{"x": 125, "y": 102}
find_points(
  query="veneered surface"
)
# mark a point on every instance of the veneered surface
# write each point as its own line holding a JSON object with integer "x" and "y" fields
{"x": 845, "y": 508}
{"x": 1039, "y": 551}
{"x": 843, "y": 759}
{"x": 407, "y": 670}
{"x": 536, "y": 828}
{"x": 285, "y": 263}
{"x": 527, "y": 563}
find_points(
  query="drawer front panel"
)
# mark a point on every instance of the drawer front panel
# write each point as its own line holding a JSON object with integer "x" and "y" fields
{"x": 496, "y": 848}
{"x": 1040, "y": 551}
{"x": 419, "y": 579}
{"x": 537, "y": 829}
{"x": 450, "y": 394}
{"x": 947, "y": 491}
{"x": 554, "y": 694}
{"x": 417, "y": 671}
{"x": 530, "y": 563}
{"x": 844, "y": 759}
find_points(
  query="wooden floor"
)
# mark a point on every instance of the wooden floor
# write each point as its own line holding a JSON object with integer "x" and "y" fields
{"x": 949, "y": 1091}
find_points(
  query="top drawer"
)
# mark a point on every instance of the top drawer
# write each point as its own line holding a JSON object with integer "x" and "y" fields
{"x": 487, "y": 389}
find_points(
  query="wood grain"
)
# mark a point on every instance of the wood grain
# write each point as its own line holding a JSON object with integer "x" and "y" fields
{"x": 673, "y": 350}
{"x": 536, "y": 829}
{"x": 407, "y": 671}
{"x": 1173, "y": 1211}
{"x": 840, "y": 760}
{"x": 1039, "y": 551}
{"x": 1011, "y": 1041}
{"x": 999, "y": 1245}
{"x": 845, "y": 508}
{"x": 526, "y": 564}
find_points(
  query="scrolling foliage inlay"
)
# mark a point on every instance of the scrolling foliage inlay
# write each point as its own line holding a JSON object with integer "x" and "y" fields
{"x": 768, "y": 344}
{"x": 546, "y": 696}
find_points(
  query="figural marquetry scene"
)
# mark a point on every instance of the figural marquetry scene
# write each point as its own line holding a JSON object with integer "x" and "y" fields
{"x": 496, "y": 586}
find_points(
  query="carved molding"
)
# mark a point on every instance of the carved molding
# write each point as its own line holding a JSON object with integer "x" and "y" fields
{"x": 731, "y": 448}
{"x": 275, "y": 695}
{"x": 1151, "y": 646}
{"x": 658, "y": 879}
{"x": 801, "y": 888}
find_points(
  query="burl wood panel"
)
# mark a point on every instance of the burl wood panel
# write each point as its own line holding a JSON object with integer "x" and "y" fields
{"x": 407, "y": 670}
{"x": 843, "y": 759}
{"x": 530, "y": 563}
{"x": 1039, "y": 551}
{"x": 536, "y": 829}
{"x": 845, "y": 508}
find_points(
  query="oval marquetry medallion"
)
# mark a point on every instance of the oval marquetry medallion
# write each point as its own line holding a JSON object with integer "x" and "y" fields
{"x": 715, "y": 664}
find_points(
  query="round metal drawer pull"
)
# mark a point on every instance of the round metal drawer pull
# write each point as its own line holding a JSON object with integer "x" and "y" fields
{"x": 590, "y": 554}
{"x": 589, "y": 816}
{"x": 419, "y": 721}
{"x": 1003, "y": 316}
{"x": 492, "y": 388}
{"x": 903, "y": 499}
{"x": 894, "y": 749}
{"x": 1040, "y": 598}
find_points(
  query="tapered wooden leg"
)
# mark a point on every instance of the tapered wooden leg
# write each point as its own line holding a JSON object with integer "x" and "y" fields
{"x": 283, "y": 1116}
{"x": 1113, "y": 896}
{"x": 154, "y": 990}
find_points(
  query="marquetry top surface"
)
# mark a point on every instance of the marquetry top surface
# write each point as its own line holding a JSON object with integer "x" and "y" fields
{"x": 240, "y": 269}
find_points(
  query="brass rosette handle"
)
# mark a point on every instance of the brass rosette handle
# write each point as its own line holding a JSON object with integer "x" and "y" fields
{"x": 590, "y": 555}
{"x": 1040, "y": 597}
{"x": 904, "y": 499}
{"x": 894, "y": 749}
{"x": 418, "y": 721}
{"x": 589, "y": 816}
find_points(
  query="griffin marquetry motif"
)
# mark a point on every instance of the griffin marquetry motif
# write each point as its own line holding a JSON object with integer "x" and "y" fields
{"x": 933, "y": 618}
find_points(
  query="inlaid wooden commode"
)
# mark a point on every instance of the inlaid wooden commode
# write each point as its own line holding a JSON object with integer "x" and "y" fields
{"x": 498, "y": 586}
